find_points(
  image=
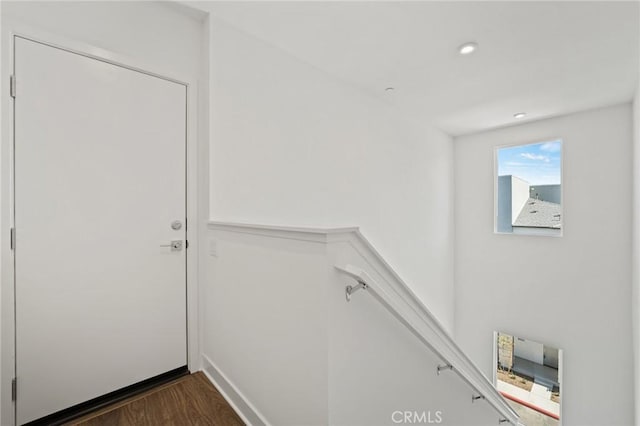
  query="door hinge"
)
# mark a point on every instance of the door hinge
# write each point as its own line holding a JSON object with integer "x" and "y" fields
{"x": 186, "y": 244}
{"x": 12, "y": 86}
{"x": 14, "y": 389}
{"x": 13, "y": 238}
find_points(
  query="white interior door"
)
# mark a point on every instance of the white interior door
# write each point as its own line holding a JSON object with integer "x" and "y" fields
{"x": 99, "y": 179}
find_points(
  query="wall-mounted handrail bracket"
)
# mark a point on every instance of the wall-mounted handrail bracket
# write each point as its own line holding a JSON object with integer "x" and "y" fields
{"x": 474, "y": 398}
{"x": 350, "y": 289}
{"x": 502, "y": 421}
{"x": 444, "y": 367}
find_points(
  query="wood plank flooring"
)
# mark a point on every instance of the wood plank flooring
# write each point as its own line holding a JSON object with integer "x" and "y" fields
{"x": 188, "y": 401}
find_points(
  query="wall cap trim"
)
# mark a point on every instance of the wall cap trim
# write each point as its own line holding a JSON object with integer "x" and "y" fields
{"x": 320, "y": 235}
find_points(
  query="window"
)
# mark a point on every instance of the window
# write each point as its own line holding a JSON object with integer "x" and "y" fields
{"x": 528, "y": 189}
{"x": 528, "y": 374}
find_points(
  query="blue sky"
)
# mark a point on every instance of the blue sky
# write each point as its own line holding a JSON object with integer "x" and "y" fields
{"x": 538, "y": 163}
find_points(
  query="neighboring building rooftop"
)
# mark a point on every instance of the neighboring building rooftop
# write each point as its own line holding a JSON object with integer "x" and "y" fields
{"x": 550, "y": 193}
{"x": 539, "y": 214}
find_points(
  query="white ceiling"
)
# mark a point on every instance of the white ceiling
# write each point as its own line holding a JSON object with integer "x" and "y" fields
{"x": 544, "y": 58}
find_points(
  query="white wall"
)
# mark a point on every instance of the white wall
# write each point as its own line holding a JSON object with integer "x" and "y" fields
{"x": 519, "y": 196}
{"x": 528, "y": 349}
{"x": 292, "y": 146}
{"x": 577, "y": 297}
{"x": 279, "y": 332}
{"x": 512, "y": 192}
{"x": 164, "y": 36}
{"x": 167, "y": 39}
{"x": 635, "y": 253}
{"x": 265, "y": 324}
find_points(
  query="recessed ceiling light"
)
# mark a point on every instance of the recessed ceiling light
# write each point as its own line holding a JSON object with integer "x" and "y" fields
{"x": 468, "y": 48}
{"x": 519, "y": 115}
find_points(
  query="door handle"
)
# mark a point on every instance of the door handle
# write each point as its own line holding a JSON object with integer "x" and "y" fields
{"x": 176, "y": 245}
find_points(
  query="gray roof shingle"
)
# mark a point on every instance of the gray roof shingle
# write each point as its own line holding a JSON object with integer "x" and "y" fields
{"x": 539, "y": 214}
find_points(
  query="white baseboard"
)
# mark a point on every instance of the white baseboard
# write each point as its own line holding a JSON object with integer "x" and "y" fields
{"x": 247, "y": 412}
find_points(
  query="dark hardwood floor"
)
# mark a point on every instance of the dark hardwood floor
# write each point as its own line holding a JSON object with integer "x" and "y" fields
{"x": 189, "y": 400}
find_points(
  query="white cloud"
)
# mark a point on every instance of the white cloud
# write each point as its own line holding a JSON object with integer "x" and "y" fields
{"x": 551, "y": 146}
{"x": 534, "y": 157}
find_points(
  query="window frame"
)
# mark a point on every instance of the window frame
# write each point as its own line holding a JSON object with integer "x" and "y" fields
{"x": 562, "y": 187}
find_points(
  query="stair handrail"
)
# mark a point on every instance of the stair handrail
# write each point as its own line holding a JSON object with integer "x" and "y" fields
{"x": 417, "y": 318}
